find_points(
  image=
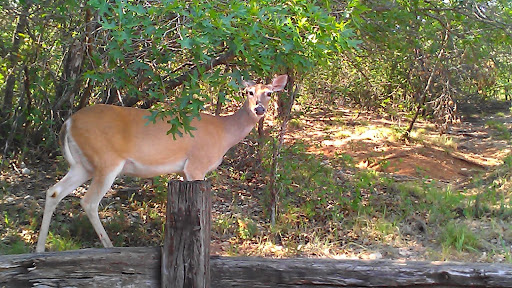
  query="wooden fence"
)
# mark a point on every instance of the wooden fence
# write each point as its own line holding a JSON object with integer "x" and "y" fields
{"x": 184, "y": 262}
{"x": 140, "y": 267}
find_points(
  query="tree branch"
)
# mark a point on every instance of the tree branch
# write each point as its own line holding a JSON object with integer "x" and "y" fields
{"x": 224, "y": 58}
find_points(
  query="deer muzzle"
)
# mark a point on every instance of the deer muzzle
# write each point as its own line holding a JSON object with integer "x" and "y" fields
{"x": 260, "y": 110}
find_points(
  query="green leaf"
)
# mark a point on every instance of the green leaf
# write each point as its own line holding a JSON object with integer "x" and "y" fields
{"x": 186, "y": 43}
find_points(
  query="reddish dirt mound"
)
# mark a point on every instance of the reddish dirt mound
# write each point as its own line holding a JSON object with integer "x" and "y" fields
{"x": 410, "y": 160}
{"x": 467, "y": 149}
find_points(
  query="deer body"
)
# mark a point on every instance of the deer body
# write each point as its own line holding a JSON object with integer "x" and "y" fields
{"x": 145, "y": 150}
{"x": 101, "y": 142}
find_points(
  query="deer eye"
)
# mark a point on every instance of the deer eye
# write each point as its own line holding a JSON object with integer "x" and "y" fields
{"x": 250, "y": 92}
{"x": 269, "y": 94}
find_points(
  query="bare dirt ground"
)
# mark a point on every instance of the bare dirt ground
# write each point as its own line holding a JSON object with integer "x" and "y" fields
{"x": 468, "y": 146}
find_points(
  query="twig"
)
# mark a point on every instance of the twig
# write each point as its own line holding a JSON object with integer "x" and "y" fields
{"x": 274, "y": 196}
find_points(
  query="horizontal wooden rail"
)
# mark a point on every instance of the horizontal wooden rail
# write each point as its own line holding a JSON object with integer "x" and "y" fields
{"x": 140, "y": 267}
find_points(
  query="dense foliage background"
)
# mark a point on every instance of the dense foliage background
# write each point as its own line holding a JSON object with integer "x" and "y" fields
{"x": 64, "y": 55}
{"x": 388, "y": 56}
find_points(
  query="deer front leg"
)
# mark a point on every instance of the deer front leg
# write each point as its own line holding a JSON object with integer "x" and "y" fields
{"x": 75, "y": 177}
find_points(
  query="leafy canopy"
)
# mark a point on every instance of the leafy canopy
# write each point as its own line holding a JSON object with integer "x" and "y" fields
{"x": 151, "y": 49}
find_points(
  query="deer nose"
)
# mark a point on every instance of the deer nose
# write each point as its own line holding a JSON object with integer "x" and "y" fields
{"x": 260, "y": 110}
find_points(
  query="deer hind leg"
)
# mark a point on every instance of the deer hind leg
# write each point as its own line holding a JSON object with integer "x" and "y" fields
{"x": 75, "y": 177}
{"x": 100, "y": 184}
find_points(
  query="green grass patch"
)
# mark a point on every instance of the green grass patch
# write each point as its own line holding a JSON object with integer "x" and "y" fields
{"x": 502, "y": 132}
{"x": 14, "y": 245}
{"x": 62, "y": 243}
{"x": 458, "y": 236}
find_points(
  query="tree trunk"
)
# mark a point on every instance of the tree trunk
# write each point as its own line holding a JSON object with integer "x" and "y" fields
{"x": 13, "y": 60}
{"x": 185, "y": 258}
{"x": 71, "y": 77}
{"x": 89, "y": 42}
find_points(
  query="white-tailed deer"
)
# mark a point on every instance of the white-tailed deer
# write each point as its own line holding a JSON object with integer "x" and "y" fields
{"x": 101, "y": 142}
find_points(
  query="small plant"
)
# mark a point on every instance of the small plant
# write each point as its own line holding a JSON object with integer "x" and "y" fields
{"x": 247, "y": 229}
{"x": 384, "y": 164}
{"x": 118, "y": 225}
{"x": 224, "y": 224}
{"x": 384, "y": 227}
{"x": 506, "y": 251}
{"x": 502, "y": 131}
{"x": 442, "y": 202}
{"x": 507, "y": 161}
{"x": 459, "y": 236}
{"x": 295, "y": 123}
{"x": 345, "y": 160}
{"x": 160, "y": 187}
{"x": 18, "y": 247}
{"x": 61, "y": 243}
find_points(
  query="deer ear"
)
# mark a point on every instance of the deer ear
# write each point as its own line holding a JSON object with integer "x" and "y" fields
{"x": 279, "y": 82}
{"x": 248, "y": 83}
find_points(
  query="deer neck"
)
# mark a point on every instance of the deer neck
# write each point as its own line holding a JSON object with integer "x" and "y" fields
{"x": 238, "y": 125}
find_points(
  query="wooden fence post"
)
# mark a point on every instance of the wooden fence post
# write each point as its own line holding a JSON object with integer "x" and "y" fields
{"x": 186, "y": 251}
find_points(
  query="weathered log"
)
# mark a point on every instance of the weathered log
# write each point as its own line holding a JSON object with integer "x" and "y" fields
{"x": 140, "y": 267}
{"x": 116, "y": 267}
{"x": 251, "y": 272}
{"x": 185, "y": 255}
